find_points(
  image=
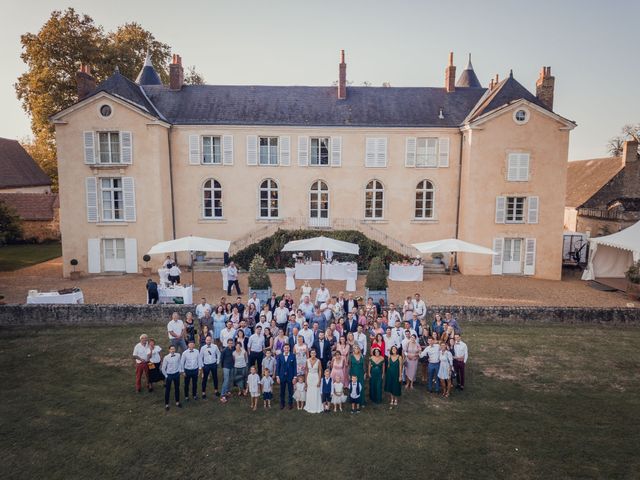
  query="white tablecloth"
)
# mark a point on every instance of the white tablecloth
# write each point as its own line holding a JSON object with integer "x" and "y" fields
{"x": 167, "y": 294}
{"x": 330, "y": 271}
{"x": 225, "y": 280}
{"x": 406, "y": 273}
{"x": 55, "y": 297}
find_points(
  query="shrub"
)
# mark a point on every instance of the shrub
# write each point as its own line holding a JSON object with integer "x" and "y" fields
{"x": 258, "y": 276}
{"x": 377, "y": 276}
{"x": 270, "y": 248}
{"x": 633, "y": 274}
{"x": 10, "y": 224}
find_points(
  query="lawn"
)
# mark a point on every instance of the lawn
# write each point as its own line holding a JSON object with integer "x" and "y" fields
{"x": 13, "y": 257}
{"x": 548, "y": 401}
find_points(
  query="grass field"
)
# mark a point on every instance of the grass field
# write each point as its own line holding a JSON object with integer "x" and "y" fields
{"x": 13, "y": 257}
{"x": 549, "y": 401}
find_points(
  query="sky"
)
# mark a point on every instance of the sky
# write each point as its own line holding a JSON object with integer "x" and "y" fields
{"x": 590, "y": 45}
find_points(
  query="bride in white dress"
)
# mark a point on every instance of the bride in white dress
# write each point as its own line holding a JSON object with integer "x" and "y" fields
{"x": 314, "y": 397}
{"x": 305, "y": 291}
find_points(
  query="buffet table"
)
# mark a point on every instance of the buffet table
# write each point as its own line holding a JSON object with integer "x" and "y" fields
{"x": 167, "y": 294}
{"x": 55, "y": 297}
{"x": 330, "y": 271}
{"x": 406, "y": 273}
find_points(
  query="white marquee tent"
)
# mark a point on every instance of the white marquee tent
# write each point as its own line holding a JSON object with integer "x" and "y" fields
{"x": 610, "y": 256}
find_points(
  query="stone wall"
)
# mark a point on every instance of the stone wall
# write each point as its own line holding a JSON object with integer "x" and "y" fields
{"x": 91, "y": 315}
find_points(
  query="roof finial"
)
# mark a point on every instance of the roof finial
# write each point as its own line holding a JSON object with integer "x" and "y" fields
{"x": 117, "y": 69}
{"x": 147, "y": 60}
{"x": 511, "y": 73}
{"x": 469, "y": 66}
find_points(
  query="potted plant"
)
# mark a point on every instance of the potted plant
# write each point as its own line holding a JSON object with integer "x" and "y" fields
{"x": 200, "y": 256}
{"x": 633, "y": 280}
{"x": 376, "y": 284}
{"x": 437, "y": 257}
{"x": 259, "y": 281}
{"x": 74, "y": 274}
{"x": 146, "y": 270}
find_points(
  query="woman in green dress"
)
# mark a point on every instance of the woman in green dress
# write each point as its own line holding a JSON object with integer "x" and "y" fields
{"x": 393, "y": 378}
{"x": 376, "y": 373}
{"x": 356, "y": 367}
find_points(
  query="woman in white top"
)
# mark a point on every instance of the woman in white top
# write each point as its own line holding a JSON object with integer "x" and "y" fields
{"x": 305, "y": 291}
{"x": 155, "y": 375}
{"x": 240, "y": 368}
{"x": 407, "y": 310}
{"x": 174, "y": 274}
{"x": 444, "y": 373}
{"x": 314, "y": 394}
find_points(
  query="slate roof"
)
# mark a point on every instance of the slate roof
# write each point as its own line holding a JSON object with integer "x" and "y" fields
{"x": 468, "y": 77}
{"x": 120, "y": 86}
{"x": 148, "y": 74}
{"x": 32, "y": 206}
{"x": 296, "y": 105}
{"x": 508, "y": 90}
{"x": 17, "y": 168}
{"x": 586, "y": 177}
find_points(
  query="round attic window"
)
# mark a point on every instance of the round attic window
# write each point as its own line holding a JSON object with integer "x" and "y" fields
{"x": 521, "y": 116}
{"x": 105, "y": 110}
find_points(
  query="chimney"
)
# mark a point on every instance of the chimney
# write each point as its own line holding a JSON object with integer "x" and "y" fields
{"x": 450, "y": 75}
{"x": 544, "y": 87}
{"x": 176, "y": 73}
{"x": 85, "y": 83}
{"x": 629, "y": 152}
{"x": 342, "y": 78}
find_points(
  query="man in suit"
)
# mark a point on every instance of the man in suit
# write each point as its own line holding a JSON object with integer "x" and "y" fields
{"x": 352, "y": 323}
{"x": 323, "y": 347}
{"x": 293, "y": 338}
{"x": 285, "y": 373}
{"x": 414, "y": 324}
{"x": 239, "y": 305}
{"x": 350, "y": 303}
{"x": 273, "y": 302}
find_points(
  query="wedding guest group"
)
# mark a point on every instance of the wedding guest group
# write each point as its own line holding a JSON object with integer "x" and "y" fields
{"x": 319, "y": 356}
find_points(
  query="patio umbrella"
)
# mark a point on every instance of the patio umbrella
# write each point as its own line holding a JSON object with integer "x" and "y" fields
{"x": 321, "y": 244}
{"x": 452, "y": 245}
{"x": 190, "y": 244}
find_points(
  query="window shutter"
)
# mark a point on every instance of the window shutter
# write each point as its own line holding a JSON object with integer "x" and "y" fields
{"x": 336, "y": 151}
{"x": 381, "y": 152}
{"x": 92, "y": 199}
{"x": 303, "y": 151}
{"x": 496, "y": 264}
{"x": 370, "y": 153}
{"x": 512, "y": 167}
{"x": 252, "y": 150}
{"x": 410, "y": 152}
{"x": 131, "y": 255}
{"x": 194, "y": 150}
{"x": 227, "y": 149}
{"x": 285, "y": 151}
{"x": 532, "y": 209}
{"x": 93, "y": 255}
{"x": 523, "y": 167}
{"x": 518, "y": 167}
{"x": 89, "y": 148}
{"x": 126, "y": 148}
{"x": 501, "y": 204}
{"x": 530, "y": 256}
{"x": 443, "y": 148}
{"x": 128, "y": 189}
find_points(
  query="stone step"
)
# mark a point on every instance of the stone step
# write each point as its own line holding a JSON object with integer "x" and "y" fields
{"x": 435, "y": 268}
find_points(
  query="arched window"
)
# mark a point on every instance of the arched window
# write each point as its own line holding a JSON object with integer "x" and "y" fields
{"x": 424, "y": 200}
{"x": 374, "y": 200}
{"x": 269, "y": 201}
{"x": 212, "y": 199}
{"x": 319, "y": 204}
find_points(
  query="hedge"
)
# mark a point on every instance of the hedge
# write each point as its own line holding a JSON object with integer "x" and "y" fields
{"x": 270, "y": 248}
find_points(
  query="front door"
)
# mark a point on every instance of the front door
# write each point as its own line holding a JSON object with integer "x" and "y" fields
{"x": 319, "y": 205}
{"x": 512, "y": 255}
{"x": 113, "y": 254}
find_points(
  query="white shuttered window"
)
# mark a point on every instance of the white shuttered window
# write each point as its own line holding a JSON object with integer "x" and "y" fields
{"x": 518, "y": 167}
{"x": 376, "y": 152}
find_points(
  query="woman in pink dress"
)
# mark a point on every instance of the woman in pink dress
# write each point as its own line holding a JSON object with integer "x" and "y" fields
{"x": 411, "y": 355}
{"x": 301, "y": 351}
{"x": 337, "y": 366}
{"x": 362, "y": 318}
{"x": 345, "y": 352}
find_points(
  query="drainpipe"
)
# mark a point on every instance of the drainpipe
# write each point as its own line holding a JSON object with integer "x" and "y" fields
{"x": 459, "y": 191}
{"x": 173, "y": 210}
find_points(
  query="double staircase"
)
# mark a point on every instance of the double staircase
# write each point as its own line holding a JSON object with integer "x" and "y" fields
{"x": 303, "y": 223}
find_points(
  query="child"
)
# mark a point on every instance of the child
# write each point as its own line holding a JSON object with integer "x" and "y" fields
{"x": 267, "y": 387}
{"x": 326, "y": 390}
{"x": 338, "y": 398}
{"x": 300, "y": 393}
{"x": 355, "y": 390}
{"x": 253, "y": 384}
{"x": 269, "y": 362}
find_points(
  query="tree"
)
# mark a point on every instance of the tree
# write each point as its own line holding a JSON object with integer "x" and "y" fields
{"x": 258, "y": 275}
{"x": 377, "y": 276}
{"x": 192, "y": 77}
{"x": 627, "y": 132}
{"x": 10, "y": 224}
{"x": 54, "y": 54}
